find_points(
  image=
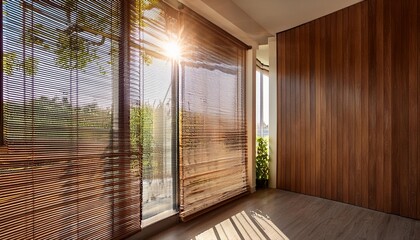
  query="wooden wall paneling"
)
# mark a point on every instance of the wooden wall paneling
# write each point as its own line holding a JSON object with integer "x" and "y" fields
{"x": 365, "y": 107}
{"x": 352, "y": 102}
{"x": 307, "y": 110}
{"x": 318, "y": 105}
{"x": 345, "y": 124}
{"x": 302, "y": 72}
{"x": 334, "y": 76}
{"x": 372, "y": 105}
{"x": 282, "y": 131}
{"x": 292, "y": 111}
{"x": 418, "y": 109}
{"x": 379, "y": 150}
{"x": 358, "y": 105}
{"x": 387, "y": 107}
{"x": 350, "y": 107}
{"x": 298, "y": 99}
{"x": 288, "y": 113}
{"x": 413, "y": 108}
{"x": 298, "y": 117}
{"x": 339, "y": 72}
{"x": 323, "y": 109}
{"x": 327, "y": 91}
{"x": 399, "y": 109}
{"x": 313, "y": 102}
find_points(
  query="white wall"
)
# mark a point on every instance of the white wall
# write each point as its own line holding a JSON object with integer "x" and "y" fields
{"x": 273, "y": 111}
{"x": 251, "y": 63}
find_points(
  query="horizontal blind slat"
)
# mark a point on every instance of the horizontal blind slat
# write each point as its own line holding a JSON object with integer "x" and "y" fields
{"x": 213, "y": 136}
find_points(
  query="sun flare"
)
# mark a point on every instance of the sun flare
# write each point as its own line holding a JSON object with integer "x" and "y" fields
{"x": 172, "y": 50}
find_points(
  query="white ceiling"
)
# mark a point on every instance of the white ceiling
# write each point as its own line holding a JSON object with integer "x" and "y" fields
{"x": 279, "y": 15}
{"x": 264, "y": 18}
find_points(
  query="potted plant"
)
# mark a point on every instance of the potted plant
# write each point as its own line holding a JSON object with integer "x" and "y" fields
{"x": 262, "y": 161}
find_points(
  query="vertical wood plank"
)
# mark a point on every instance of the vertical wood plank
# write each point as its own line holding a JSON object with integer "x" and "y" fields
{"x": 327, "y": 90}
{"x": 293, "y": 111}
{"x": 379, "y": 105}
{"x": 313, "y": 107}
{"x": 307, "y": 110}
{"x": 345, "y": 153}
{"x": 284, "y": 111}
{"x": 297, "y": 98}
{"x": 340, "y": 60}
{"x": 372, "y": 105}
{"x": 288, "y": 127}
{"x": 418, "y": 110}
{"x": 323, "y": 110}
{"x": 413, "y": 108}
{"x": 318, "y": 105}
{"x": 388, "y": 175}
{"x": 351, "y": 100}
{"x": 334, "y": 80}
{"x": 282, "y": 94}
{"x": 399, "y": 112}
{"x": 358, "y": 105}
{"x": 365, "y": 107}
{"x": 302, "y": 56}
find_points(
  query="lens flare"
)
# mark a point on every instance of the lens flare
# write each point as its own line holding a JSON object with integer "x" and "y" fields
{"x": 172, "y": 50}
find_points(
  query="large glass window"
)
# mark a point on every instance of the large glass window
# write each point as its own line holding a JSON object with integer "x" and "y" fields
{"x": 89, "y": 109}
{"x": 91, "y": 94}
{"x": 262, "y": 104}
{"x": 157, "y": 111}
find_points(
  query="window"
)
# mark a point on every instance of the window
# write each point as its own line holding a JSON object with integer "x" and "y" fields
{"x": 212, "y": 116}
{"x": 158, "y": 112}
{"x": 84, "y": 113}
{"x": 262, "y": 98}
{"x": 97, "y": 109}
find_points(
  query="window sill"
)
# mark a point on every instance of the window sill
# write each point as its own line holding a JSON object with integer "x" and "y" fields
{"x": 158, "y": 218}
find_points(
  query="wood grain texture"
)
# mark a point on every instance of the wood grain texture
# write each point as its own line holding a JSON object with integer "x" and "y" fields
{"x": 418, "y": 108}
{"x": 296, "y": 216}
{"x": 413, "y": 106}
{"x": 352, "y": 108}
{"x": 365, "y": 110}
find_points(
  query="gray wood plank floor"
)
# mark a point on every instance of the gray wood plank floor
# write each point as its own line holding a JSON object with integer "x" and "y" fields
{"x": 276, "y": 214}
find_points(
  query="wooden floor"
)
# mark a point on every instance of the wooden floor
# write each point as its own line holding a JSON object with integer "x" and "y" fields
{"x": 276, "y": 214}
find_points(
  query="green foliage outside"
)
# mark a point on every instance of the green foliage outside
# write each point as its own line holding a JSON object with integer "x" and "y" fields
{"x": 75, "y": 48}
{"x": 54, "y": 118}
{"x": 77, "y": 45}
{"x": 262, "y": 159}
{"x": 141, "y": 136}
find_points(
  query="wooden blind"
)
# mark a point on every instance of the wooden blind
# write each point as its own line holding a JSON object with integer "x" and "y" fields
{"x": 156, "y": 111}
{"x": 72, "y": 89}
{"x": 212, "y": 116}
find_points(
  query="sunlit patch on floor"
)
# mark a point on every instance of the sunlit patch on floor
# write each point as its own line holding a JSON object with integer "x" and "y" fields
{"x": 252, "y": 225}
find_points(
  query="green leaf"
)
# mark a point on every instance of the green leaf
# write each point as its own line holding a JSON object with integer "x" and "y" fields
{"x": 262, "y": 159}
{"x": 9, "y": 62}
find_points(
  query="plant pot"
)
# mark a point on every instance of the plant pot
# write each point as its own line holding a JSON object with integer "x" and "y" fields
{"x": 262, "y": 183}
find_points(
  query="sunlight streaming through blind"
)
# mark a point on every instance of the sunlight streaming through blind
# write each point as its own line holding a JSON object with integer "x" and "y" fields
{"x": 73, "y": 92}
{"x": 212, "y": 116}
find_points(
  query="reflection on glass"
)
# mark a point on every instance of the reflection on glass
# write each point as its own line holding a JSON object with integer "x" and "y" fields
{"x": 156, "y": 112}
{"x": 157, "y": 140}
